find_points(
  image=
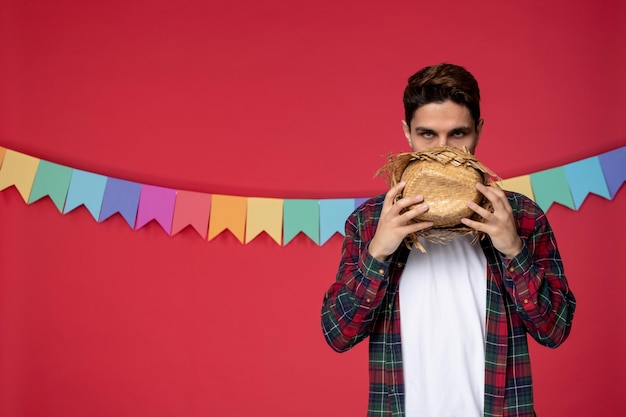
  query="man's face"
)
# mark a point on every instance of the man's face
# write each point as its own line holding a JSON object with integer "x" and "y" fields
{"x": 445, "y": 123}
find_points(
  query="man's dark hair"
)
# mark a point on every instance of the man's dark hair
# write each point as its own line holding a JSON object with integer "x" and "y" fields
{"x": 438, "y": 83}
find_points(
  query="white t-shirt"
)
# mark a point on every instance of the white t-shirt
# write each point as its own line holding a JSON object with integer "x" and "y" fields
{"x": 442, "y": 316}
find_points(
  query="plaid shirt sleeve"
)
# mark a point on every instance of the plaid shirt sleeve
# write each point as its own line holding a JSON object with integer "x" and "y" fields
{"x": 535, "y": 279}
{"x": 352, "y": 302}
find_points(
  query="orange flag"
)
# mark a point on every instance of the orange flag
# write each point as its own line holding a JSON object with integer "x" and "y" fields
{"x": 2, "y": 152}
{"x": 228, "y": 212}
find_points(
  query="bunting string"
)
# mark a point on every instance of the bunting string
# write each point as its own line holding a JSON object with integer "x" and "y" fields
{"x": 281, "y": 219}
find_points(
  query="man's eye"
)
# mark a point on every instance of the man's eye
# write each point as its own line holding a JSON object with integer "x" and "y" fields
{"x": 427, "y": 135}
{"x": 458, "y": 134}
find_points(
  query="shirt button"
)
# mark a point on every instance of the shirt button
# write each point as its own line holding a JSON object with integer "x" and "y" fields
{"x": 368, "y": 300}
{"x": 525, "y": 300}
{"x": 381, "y": 271}
{"x": 511, "y": 269}
{"x": 400, "y": 264}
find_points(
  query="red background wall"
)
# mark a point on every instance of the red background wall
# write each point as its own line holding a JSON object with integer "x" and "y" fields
{"x": 273, "y": 99}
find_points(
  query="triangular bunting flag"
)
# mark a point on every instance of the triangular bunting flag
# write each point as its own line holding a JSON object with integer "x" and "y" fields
{"x": 18, "y": 169}
{"x": 192, "y": 209}
{"x": 122, "y": 197}
{"x": 550, "y": 186}
{"x": 333, "y": 215}
{"x": 586, "y": 177}
{"x": 88, "y": 189}
{"x": 519, "y": 185}
{"x": 2, "y": 152}
{"x": 51, "y": 180}
{"x": 228, "y": 212}
{"x": 301, "y": 216}
{"x": 614, "y": 168}
{"x": 264, "y": 215}
{"x": 156, "y": 203}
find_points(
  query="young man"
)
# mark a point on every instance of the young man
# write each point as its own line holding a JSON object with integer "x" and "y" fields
{"x": 447, "y": 328}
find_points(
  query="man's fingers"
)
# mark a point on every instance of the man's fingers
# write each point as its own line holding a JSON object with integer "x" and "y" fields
{"x": 414, "y": 212}
{"x": 397, "y": 206}
{"x": 495, "y": 195}
{"x": 393, "y": 192}
{"x": 482, "y": 212}
{"x": 474, "y": 224}
{"x": 414, "y": 228}
{"x": 409, "y": 201}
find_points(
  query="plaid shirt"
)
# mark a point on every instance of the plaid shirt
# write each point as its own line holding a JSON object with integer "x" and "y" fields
{"x": 526, "y": 294}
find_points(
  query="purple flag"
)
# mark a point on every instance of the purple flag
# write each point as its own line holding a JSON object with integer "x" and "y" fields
{"x": 122, "y": 197}
{"x": 614, "y": 168}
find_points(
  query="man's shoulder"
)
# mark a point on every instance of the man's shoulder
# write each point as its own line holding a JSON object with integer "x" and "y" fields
{"x": 370, "y": 208}
{"x": 523, "y": 205}
{"x": 519, "y": 198}
{"x": 371, "y": 202}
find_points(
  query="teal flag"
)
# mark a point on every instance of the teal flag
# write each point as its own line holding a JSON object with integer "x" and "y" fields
{"x": 550, "y": 186}
{"x": 51, "y": 180}
{"x": 301, "y": 216}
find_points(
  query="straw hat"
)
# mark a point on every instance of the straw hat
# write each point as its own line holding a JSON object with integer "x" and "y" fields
{"x": 446, "y": 177}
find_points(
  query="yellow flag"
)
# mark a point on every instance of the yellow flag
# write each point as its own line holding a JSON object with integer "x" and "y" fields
{"x": 520, "y": 185}
{"x": 264, "y": 215}
{"x": 18, "y": 169}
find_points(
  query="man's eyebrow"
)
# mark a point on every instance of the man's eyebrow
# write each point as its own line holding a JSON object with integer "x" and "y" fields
{"x": 461, "y": 129}
{"x": 423, "y": 129}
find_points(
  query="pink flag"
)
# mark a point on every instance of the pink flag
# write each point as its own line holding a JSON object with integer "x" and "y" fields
{"x": 156, "y": 203}
{"x": 192, "y": 209}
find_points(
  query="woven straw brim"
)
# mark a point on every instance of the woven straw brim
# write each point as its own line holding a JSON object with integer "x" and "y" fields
{"x": 447, "y": 178}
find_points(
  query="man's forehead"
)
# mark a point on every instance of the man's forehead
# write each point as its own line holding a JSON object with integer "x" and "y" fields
{"x": 447, "y": 114}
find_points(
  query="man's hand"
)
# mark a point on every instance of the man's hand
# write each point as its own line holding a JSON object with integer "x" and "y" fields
{"x": 499, "y": 224}
{"x": 393, "y": 225}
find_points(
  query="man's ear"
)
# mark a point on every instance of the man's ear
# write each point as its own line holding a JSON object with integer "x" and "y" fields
{"x": 407, "y": 132}
{"x": 479, "y": 131}
{"x": 479, "y": 128}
